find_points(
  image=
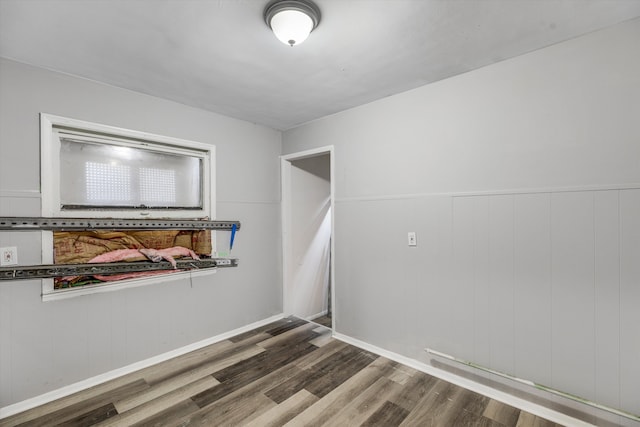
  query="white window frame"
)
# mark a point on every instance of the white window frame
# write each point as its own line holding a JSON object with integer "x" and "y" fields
{"x": 50, "y": 193}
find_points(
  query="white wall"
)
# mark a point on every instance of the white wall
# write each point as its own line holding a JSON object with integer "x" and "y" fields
{"x": 310, "y": 235}
{"x": 44, "y": 346}
{"x": 512, "y": 270}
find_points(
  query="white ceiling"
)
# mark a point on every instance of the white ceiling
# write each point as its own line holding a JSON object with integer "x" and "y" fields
{"x": 219, "y": 55}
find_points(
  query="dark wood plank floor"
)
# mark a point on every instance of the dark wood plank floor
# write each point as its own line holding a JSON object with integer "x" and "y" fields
{"x": 324, "y": 320}
{"x": 291, "y": 373}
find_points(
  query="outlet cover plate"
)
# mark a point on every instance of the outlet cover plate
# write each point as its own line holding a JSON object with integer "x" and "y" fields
{"x": 8, "y": 256}
{"x": 411, "y": 238}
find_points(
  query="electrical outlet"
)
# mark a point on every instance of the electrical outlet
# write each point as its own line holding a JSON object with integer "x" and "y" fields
{"x": 411, "y": 237}
{"x": 8, "y": 256}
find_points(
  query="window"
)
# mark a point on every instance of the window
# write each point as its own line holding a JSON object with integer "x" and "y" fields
{"x": 90, "y": 170}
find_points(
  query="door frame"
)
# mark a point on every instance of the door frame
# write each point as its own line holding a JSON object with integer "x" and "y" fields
{"x": 285, "y": 213}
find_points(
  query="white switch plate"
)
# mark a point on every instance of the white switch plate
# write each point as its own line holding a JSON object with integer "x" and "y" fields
{"x": 411, "y": 237}
{"x": 8, "y": 256}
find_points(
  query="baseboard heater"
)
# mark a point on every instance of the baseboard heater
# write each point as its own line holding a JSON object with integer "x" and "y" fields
{"x": 535, "y": 385}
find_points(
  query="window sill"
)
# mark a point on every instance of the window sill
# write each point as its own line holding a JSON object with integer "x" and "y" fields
{"x": 60, "y": 294}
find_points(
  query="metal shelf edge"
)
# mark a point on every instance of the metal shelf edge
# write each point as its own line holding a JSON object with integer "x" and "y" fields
{"x": 88, "y": 224}
{"x": 27, "y": 272}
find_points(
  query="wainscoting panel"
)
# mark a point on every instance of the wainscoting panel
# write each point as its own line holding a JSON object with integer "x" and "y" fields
{"x": 463, "y": 290}
{"x": 532, "y": 287}
{"x": 482, "y": 308}
{"x": 501, "y": 288}
{"x": 572, "y": 249}
{"x": 607, "y": 297}
{"x": 630, "y": 299}
{"x": 541, "y": 285}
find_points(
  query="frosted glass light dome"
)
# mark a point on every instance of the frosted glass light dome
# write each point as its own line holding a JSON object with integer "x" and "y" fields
{"x": 292, "y": 20}
{"x": 291, "y": 27}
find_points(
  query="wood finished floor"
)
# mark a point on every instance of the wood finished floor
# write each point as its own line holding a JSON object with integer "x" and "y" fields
{"x": 324, "y": 320}
{"x": 291, "y": 373}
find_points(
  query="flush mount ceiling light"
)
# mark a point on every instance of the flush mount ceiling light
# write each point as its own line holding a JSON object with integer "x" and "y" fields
{"x": 292, "y": 20}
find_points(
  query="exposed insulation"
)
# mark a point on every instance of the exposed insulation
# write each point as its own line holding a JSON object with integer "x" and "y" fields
{"x": 81, "y": 246}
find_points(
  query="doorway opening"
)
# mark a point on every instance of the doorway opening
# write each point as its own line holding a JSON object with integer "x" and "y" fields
{"x": 307, "y": 235}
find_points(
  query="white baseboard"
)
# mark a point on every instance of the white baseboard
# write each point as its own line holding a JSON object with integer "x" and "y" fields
{"x": 522, "y": 404}
{"x": 492, "y": 393}
{"x": 107, "y": 376}
{"x": 315, "y": 316}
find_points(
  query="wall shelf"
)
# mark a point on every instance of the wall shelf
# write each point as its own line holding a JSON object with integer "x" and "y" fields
{"x": 85, "y": 224}
{"x": 26, "y": 272}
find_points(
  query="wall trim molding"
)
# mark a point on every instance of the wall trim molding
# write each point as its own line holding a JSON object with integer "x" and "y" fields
{"x": 314, "y": 316}
{"x": 507, "y": 192}
{"x": 49, "y": 294}
{"x": 249, "y": 202}
{"x": 522, "y": 404}
{"x": 21, "y": 194}
{"x": 107, "y": 376}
